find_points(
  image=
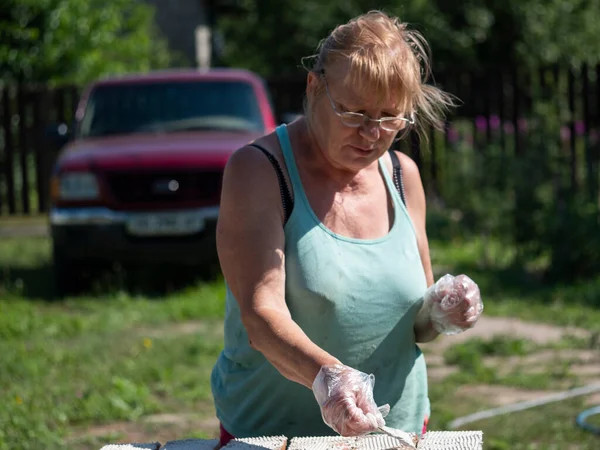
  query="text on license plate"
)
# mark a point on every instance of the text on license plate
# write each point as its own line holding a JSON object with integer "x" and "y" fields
{"x": 165, "y": 224}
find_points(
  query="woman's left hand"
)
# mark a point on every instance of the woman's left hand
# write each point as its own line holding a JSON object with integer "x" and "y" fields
{"x": 454, "y": 303}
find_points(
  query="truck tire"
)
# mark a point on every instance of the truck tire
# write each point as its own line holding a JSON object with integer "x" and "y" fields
{"x": 70, "y": 277}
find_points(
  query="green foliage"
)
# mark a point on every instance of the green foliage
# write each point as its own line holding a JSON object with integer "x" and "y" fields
{"x": 574, "y": 241}
{"x": 527, "y": 32}
{"x": 76, "y": 41}
{"x": 528, "y": 194}
{"x": 558, "y": 31}
{"x": 551, "y": 215}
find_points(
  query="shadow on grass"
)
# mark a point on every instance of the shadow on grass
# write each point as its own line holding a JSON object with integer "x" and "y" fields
{"x": 38, "y": 282}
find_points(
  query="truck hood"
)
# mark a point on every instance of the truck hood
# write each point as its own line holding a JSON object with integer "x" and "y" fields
{"x": 139, "y": 151}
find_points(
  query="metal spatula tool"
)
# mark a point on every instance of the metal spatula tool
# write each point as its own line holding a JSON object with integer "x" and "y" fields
{"x": 399, "y": 434}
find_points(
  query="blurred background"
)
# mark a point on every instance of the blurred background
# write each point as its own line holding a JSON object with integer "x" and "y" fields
{"x": 116, "y": 118}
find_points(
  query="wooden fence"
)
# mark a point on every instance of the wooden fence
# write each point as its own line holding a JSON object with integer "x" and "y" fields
{"x": 495, "y": 112}
{"x": 26, "y": 153}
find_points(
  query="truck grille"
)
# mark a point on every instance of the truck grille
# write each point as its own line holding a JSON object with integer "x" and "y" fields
{"x": 165, "y": 187}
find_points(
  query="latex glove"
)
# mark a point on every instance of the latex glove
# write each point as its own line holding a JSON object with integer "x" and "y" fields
{"x": 345, "y": 396}
{"x": 453, "y": 304}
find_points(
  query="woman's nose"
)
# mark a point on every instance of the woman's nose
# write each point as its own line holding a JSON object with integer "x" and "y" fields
{"x": 370, "y": 130}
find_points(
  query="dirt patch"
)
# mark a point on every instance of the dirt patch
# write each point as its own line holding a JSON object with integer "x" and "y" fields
{"x": 580, "y": 362}
{"x": 593, "y": 400}
{"x": 158, "y": 427}
{"x": 434, "y": 360}
{"x": 438, "y": 373}
{"x": 211, "y": 327}
{"x": 500, "y": 395}
{"x": 590, "y": 372}
{"x": 24, "y": 227}
{"x": 210, "y": 425}
{"x": 488, "y": 327}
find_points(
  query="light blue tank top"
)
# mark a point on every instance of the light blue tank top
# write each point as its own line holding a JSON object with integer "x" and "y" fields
{"x": 355, "y": 298}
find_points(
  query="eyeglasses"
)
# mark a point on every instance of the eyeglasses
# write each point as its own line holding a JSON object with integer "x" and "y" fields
{"x": 355, "y": 120}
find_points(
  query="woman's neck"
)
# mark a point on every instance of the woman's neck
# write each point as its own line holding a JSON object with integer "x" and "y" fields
{"x": 313, "y": 158}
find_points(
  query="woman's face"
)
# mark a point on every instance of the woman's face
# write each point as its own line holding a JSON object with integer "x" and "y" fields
{"x": 345, "y": 147}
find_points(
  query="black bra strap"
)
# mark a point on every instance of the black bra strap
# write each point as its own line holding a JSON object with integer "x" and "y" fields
{"x": 286, "y": 196}
{"x": 397, "y": 172}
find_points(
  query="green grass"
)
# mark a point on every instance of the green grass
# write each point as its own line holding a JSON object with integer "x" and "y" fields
{"x": 548, "y": 427}
{"x": 115, "y": 357}
{"x": 515, "y": 292}
{"x": 470, "y": 358}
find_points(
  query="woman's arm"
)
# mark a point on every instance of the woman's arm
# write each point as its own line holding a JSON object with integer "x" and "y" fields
{"x": 250, "y": 244}
{"x": 417, "y": 209}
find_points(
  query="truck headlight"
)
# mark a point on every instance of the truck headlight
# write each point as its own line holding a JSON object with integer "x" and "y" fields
{"x": 78, "y": 186}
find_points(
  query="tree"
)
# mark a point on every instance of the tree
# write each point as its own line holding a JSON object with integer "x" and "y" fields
{"x": 469, "y": 34}
{"x": 77, "y": 40}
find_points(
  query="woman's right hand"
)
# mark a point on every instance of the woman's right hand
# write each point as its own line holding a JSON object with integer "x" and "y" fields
{"x": 345, "y": 396}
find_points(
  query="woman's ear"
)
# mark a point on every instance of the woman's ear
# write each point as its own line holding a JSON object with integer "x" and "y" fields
{"x": 312, "y": 81}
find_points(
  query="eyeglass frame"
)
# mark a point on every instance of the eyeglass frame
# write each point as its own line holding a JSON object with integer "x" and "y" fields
{"x": 365, "y": 118}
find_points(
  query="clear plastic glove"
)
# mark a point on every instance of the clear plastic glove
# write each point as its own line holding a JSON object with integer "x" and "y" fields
{"x": 345, "y": 396}
{"x": 453, "y": 304}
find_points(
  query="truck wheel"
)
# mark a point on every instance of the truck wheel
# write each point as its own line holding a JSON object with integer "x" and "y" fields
{"x": 70, "y": 277}
{"x": 67, "y": 278}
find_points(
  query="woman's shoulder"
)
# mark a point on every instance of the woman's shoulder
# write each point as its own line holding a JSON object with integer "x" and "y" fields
{"x": 411, "y": 179}
{"x": 251, "y": 155}
{"x": 258, "y": 162}
{"x": 249, "y": 178}
{"x": 253, "y": 152}
{"x": 410, "y": 170}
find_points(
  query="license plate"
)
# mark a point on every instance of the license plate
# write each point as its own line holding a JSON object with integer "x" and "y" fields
{"x": 165, "y": 224}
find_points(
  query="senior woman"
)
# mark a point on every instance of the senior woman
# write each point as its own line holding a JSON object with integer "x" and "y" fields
{"x": 321, "y": 239}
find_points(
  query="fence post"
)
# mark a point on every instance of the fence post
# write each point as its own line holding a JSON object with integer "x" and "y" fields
{"x": 40, "y": 109}
{"x": 516, "y": 110}
{"x": 597, "y": 149}
{"x": 501, "y": 111}
{"x": 23, "y": 147}
{"x": 589, "y": 160}
{"x": 8, "y": 153}
{"x": 433, "y": 169}
{"x": 415, "y": 147}
{"x": 573, "y": 136}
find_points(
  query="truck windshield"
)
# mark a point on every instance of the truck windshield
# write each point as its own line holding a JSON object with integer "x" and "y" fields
{"x": 167, "y": 107}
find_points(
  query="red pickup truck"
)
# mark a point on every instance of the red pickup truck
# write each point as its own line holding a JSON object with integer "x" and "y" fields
{"x": 140, "y": 179}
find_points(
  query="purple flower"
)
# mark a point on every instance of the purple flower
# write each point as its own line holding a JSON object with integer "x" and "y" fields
{"x": 494, "y": 122}
{"x": 579, "y": 128}
{"x": 452, "y": 134}
{"x": 565, "y": 133}
{"x": 481, "y": 123}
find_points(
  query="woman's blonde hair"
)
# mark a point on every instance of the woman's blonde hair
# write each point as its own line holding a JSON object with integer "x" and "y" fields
{"x": 384, "y": 58}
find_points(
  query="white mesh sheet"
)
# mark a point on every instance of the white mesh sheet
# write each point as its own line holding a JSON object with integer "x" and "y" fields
{"x": 370, "y": 442}
{"x": 321, "y": 443}
{"x": 385, "y": 442}
{"x": 451, "y": 440}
